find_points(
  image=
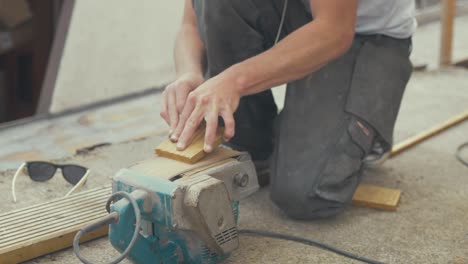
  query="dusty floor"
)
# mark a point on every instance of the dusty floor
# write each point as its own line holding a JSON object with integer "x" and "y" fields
{"x": 430, "y": 226}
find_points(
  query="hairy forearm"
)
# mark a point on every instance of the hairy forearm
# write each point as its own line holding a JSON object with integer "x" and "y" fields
{"x": 301, "y": 53}
{"x": 189, "y": 51}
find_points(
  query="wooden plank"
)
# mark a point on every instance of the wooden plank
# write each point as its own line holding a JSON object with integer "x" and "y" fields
{"x": 412, "y": 141}
{"x": 49, "y": 245}
{"x": 76, "y": 199}
{"x": 55, "y": 226}
{"x": 165, "y": 168}
{"x": 194, "y": 152}
{"x": 376, "y": 197}
{"x": 446, "y": 42}
{"x": 45, "y": 228}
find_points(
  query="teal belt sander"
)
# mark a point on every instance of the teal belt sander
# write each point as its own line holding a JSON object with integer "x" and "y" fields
{"x": 166, "y": 211}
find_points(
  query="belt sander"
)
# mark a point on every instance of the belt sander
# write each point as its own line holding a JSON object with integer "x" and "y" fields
{"x": 166, "y": 211}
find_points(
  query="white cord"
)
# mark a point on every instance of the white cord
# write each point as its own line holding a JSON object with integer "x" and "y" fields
{"x": 283, "y": 15}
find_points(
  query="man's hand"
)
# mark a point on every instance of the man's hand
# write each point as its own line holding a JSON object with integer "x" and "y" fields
{"x": 214, "y": 98}
{"x": 188, "y": 101}
{"x": 175, "y": 96}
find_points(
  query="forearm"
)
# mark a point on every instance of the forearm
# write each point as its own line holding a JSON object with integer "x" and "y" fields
{"x": 302, "y": 52}
{"x": 189, "y": 51}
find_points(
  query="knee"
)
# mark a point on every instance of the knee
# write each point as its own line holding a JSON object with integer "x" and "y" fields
{"x": 302, "y": 206}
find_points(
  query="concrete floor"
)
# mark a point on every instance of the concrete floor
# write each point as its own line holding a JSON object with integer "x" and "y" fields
{"x": 430, "y": 226}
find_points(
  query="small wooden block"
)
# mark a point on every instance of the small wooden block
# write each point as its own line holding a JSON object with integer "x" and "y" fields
{"x": 194, "y": 152}
{"x": 377, "y": 197}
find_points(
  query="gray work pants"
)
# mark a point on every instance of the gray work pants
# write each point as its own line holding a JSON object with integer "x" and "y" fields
{"x": 331, "y": 117}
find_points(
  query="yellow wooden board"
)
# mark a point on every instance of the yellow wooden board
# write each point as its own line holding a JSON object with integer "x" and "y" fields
{"x": 47, "y": 246}
{"x": 377, "y": 197}
{"x": 194, "y": 152}
{"x": 45, "y": 228}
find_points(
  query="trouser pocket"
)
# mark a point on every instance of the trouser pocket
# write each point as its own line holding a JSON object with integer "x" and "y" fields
{"x": 381, "y": 72}
{"x": 342, "y": 171}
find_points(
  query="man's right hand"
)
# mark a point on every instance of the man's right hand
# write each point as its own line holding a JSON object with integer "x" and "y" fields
{"x": 175, "y": 96}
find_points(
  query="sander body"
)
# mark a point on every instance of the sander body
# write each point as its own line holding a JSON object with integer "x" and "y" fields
{"x": 189, "y": 212}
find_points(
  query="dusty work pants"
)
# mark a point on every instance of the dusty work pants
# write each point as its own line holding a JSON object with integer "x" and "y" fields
{"x": 331, "y": 117}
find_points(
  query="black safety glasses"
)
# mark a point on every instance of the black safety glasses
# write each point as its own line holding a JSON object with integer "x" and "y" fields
{"x": 42, "y": 171}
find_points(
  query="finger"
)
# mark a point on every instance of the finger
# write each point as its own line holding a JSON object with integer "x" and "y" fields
{"x": 229, "y": 125}
{"x": 163, "y": 112}
{"x": 210, "y": 131}
{"x": 188, "y": 109}
{"x": 173, "y": 113}
{"x": 191, "y": 125}
{"x": 181, "y": 97}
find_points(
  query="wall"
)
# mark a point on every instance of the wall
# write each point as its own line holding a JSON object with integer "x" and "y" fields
{"x": 116, "y": 47}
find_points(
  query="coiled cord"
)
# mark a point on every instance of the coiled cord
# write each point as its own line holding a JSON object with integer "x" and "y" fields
{"x": 110, "y": 219}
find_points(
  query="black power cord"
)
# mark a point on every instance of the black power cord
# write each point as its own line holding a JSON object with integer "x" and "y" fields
{"x": 308, "y": 242}
{"x": 114, "y": 217}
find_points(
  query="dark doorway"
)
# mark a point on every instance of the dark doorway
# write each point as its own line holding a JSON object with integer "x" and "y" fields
{"x": 24, "y": 64}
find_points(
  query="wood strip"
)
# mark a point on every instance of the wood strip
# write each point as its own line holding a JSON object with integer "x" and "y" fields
{"x": 377, "y": 197}
{"x": 194, "y": 151}
{"x": 446, "y": 42}
{"x": 51, "y": 213}
{"x": 15, "y": 231}
{"x": 72, "y": 217}
{"x": 69, "y": 208}
{"x": 24, "y": 238}
{"x": 413, "y": 141}
{"x": 53, "y": 205}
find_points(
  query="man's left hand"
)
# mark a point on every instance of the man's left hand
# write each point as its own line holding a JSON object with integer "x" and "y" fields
{"x": 212, "y": 99}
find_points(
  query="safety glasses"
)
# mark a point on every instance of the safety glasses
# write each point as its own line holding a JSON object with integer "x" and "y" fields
{"x": 41, "y": 171}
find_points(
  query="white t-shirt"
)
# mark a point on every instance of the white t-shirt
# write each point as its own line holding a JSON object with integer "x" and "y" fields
{"x": 394, "y": 18}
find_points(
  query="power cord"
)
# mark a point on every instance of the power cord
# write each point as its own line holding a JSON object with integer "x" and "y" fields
{"x": 114, "y": 218}
{"x": 107, "y": 220}
{"x": 308, "y": 242}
